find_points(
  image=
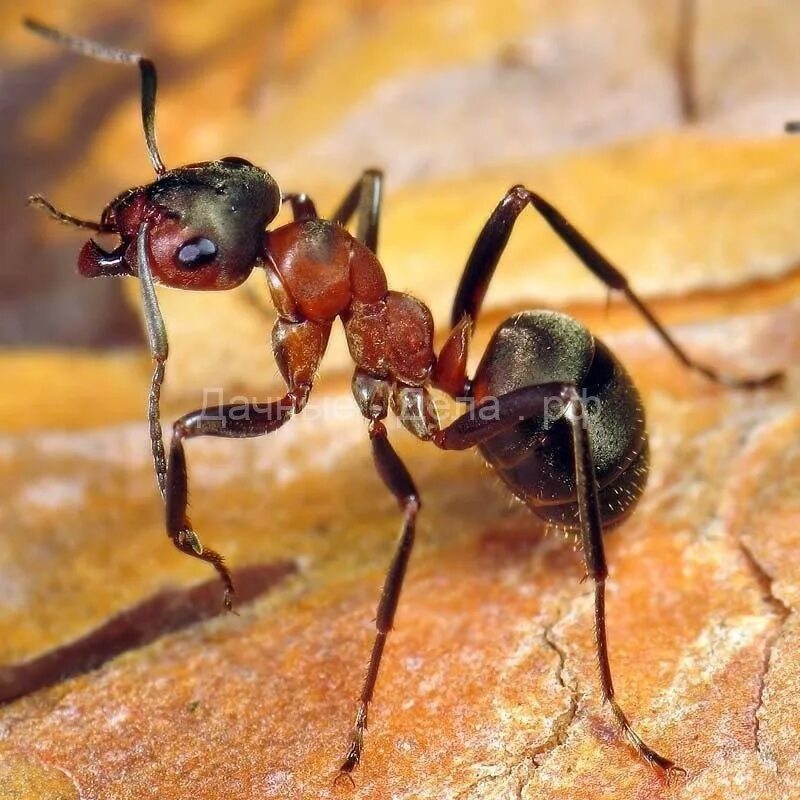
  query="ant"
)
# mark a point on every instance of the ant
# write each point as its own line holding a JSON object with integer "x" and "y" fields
{"x": 204, "y": 226}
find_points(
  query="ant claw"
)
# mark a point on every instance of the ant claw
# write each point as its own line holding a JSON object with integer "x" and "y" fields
{"x": 663, "y": 765}
{"x": 774, "y": 379}
{"x": 344, "y": 775}
{"x": 350, "y": 762}
{"x": 227, "y": 601}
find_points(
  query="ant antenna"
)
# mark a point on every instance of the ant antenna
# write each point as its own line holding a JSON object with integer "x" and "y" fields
{"x": 684, "y": 56}
{"x": 112, "y": 55}
{"x": 37, "y": 201}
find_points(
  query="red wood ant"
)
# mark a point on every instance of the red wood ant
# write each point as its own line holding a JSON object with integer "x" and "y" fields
{"x": 204, "y": 226}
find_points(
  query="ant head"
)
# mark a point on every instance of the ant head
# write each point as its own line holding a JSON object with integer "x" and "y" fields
{"x": 206, "y": 225}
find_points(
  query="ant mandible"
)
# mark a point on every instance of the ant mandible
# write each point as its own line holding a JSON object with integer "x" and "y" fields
{"x": 204, "y": 226}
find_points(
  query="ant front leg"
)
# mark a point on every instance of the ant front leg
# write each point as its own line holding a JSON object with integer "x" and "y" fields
{"x": 492, "y": 241}
{"x": 299, "y": 347}
{"x": 473, "y": 428}
{"x": 159, "y": 350}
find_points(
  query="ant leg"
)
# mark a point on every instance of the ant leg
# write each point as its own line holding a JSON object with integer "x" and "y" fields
{"x": 496, "y": 415}
{"x": 236, "y": 421}
{"x": 159, "y": 350}
{"x": 395, "y": 475}
{"x": 594, "y": 556}
{"x": 450, "y": 370}
{"x": 491, "y": 243}
{"x": 364, "y": 200}
{"x": 38, "y": 201}
{"x": 684, "y": 59}
{"x": 302, "y": 205}
{"x": 470, "y": 430}
{"x": 299, "y": 347}
{"x": 101, "y": 52}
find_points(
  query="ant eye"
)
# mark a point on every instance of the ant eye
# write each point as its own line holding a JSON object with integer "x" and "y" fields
{"x": 196, "y": 253}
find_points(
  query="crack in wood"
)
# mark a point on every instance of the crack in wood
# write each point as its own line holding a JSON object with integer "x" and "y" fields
{"x": 782, "y": 613}
{"x": 563, "y": 721}
{"x": 557, "y": 737}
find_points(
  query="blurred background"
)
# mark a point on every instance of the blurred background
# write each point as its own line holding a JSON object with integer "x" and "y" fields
{"x": 690, "y": 185}
{"x": 315, "y": 91}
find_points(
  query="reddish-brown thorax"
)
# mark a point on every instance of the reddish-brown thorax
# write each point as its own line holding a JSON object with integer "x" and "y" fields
{"x": 317, "y": 271}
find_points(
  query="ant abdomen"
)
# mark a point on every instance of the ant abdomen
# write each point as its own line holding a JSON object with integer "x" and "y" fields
{"x": 535, "y": 459}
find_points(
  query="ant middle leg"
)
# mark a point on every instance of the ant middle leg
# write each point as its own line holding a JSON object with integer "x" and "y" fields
{"x": 397, "y": 479}
{"x": 492, "y": 241}
{"x": 474, "y": 427}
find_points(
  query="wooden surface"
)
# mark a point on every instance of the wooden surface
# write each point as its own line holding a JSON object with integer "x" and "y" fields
{"x": 489, "y": 687}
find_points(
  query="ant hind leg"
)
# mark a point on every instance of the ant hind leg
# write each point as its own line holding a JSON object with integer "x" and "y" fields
{"x": 492, "y": 241}
{"x": 472, "y": 428}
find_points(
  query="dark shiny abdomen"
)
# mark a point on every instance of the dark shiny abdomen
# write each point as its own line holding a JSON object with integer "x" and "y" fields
{"x": 535, "y": 459}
